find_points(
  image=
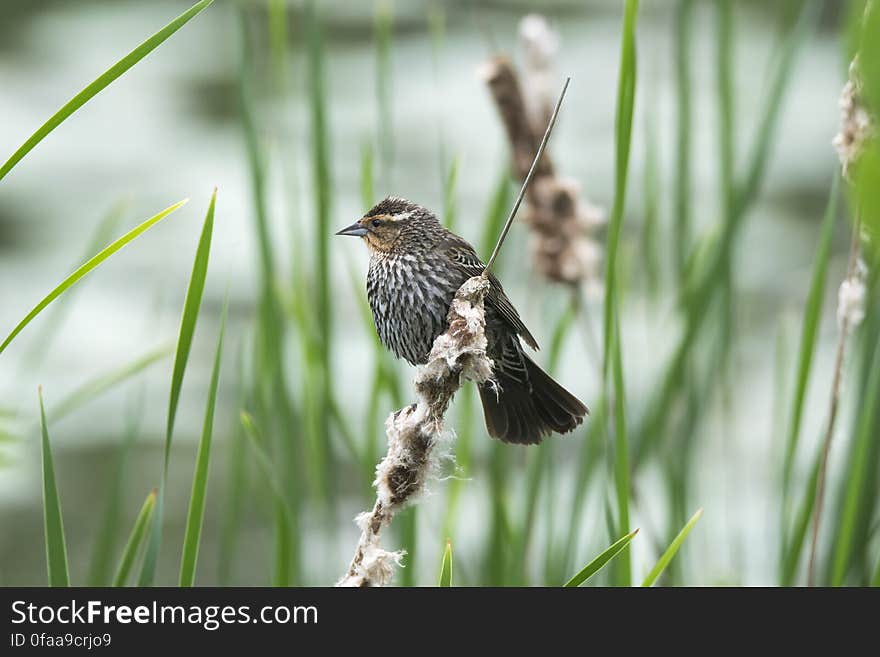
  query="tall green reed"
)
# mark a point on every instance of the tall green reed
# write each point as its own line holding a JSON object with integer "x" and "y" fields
{"x": 108, "y": 532}
{"x": 196, "y": 514}
{"x": 383, "y": 31}
{"x": 56, "y": 544}
{"x": 792, "y": 544}
{"x": 612, "y": 359}
{"x": 849, "y": 560}
{"x": 601, "y": 560}
{"x": 286, "y": 520}
{"x": 191, "y": 306}
{"x": 133, "y": 545}
{"x": 703, "y": 278}
{"x": 446, "y": 567}
{"x": 267, "y": 391}
{"x": 86, "y": 268}
{"x": 683, "y": 44}
{"x": 236, "y": 479}
{"x": 103, "y": 233}
{"x": 671, "y": 551}
{"x": 322, "y": 191}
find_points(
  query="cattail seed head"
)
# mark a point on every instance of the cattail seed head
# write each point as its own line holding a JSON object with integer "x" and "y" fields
{"x": 856, "y": 122}
{"x": 851, "y": 299}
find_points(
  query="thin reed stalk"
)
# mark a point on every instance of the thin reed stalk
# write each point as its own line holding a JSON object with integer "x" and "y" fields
{"x": 846, "y": 320}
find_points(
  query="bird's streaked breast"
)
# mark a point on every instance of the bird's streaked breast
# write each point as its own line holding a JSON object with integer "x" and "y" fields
{"x": 410, "y": 297}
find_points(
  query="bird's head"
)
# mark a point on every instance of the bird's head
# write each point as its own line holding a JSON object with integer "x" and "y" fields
{"x": 387, "y": 222}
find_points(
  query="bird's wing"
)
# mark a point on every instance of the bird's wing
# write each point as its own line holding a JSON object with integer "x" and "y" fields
{"x": 463, "y": 256}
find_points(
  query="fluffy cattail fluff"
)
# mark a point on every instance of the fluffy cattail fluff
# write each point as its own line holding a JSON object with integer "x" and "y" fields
{"x": 851, "y": 299}
{"x": 414, "y": 432}
{"x": 856, "y": 122}
{"x": 563, "y": 241}
{"x": 540, "y": 46}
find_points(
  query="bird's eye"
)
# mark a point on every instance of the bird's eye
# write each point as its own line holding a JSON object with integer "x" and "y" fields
{"x": 376, "y": 223}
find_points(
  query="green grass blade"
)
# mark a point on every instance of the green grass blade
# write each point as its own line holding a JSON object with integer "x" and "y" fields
{"x": 104, "y": 382}
{"x": 612, "y": 369}
{"x": 102, "y": 234}
{"x": 102, "y": 561}
{"x": 324, "y": 470}
{"x": 763, "y": 141}
{"x": 726, "y": 103}
{"x": 626, "y": 91}
{"x": 191, "y": 306}
{"x": 868, "y": 168}
{"x": 135, "y": 539}
{"x": 684, "y": 126}
{"x": 497, "y": 560}
{"x": 255, "y": 155}
{"x": 446, "y": 567}
{"x": 56, "y": 546}
{"x": 196, "y": 514}
{"x": 383, "y": 32}
{"x": 464, "y": 448}
{"x": 588, "y": 462}
{"x": 651, "y": 207}
{"x": 858, "y": 484}
{"x": 235, "y": 480}
{"x": 702, "y": 282}
{"x": 599, "y": 562}
{"x": 151, "y": 556}
{"x": 87, "y": 267}
{"x": 540, "y": 460}
{"x": 437, "y": 30}
{"x": 450, "y": 203}
{"x": 794, "y": 546}
{"x": 272, "y": 390}
{"x": 408, "y": 530}
{"x": 621, "y": 457}
{"x": 809, "y": 333}
{"x": 368, "y": 187}
{"x": 346, "y": 435}
{"x": 100, "y": 83}
{"x": 671, "y": 550}
{"x": 277, "y": 19}
{"x": 284, "y": 524}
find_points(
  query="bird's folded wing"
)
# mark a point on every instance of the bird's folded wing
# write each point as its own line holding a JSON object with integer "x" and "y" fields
{"x": 463, "y": 256}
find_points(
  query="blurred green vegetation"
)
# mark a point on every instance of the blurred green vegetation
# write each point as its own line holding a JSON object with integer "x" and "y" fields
{"x": 293, "y": 443}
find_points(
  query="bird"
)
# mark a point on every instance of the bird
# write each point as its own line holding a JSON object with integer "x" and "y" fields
{"x": 416, "y": 267}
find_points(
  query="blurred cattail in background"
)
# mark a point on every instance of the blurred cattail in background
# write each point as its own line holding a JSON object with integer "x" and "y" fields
{"x": 563, "y": 226}
{"x": 856, "y": 122}
{"x": 854, "y": 136}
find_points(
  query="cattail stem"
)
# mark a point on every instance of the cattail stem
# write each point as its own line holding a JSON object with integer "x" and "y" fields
{"x": 832, "y": 412}
{"x": 528, "y": 179}
{"x": 414, "y": 432}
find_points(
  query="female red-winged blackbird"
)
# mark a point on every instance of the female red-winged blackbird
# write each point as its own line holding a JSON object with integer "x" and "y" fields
{"x": 416, "y": 267}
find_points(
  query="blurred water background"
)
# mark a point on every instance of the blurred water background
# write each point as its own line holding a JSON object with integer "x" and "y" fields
{"x": 171, "y": 128}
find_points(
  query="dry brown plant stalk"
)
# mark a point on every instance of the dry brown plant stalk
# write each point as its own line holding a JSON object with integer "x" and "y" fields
{"x": 561, "y": 225}
{"x": 857, "y": 127}
{"x": 413, "y": 432}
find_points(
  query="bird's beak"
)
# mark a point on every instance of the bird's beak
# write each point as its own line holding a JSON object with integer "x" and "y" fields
{"x": 355, "y": 230}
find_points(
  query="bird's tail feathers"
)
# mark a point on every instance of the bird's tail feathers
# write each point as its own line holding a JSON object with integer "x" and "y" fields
{"x": 523, "y": 412}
